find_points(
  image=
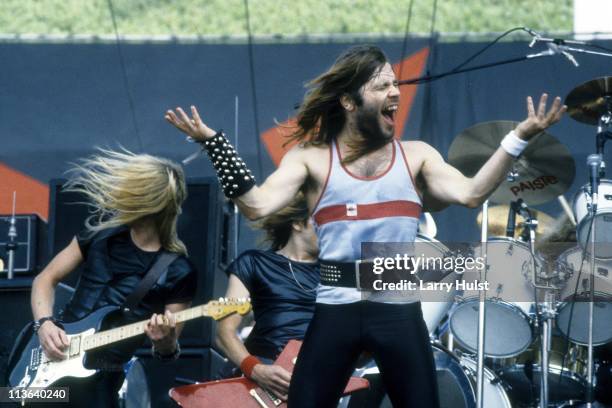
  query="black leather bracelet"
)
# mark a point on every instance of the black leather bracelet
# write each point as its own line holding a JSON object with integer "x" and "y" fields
{"x": 233, "y": 174}
{"x": 38, "y": 323}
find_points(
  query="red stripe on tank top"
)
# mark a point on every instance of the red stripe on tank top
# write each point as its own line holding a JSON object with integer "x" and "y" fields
{"x": 347, "y": 212}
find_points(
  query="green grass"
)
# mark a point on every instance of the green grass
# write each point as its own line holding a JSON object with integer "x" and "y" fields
{"x": 284, "y": 17}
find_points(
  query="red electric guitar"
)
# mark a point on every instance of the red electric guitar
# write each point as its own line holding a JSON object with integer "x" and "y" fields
{"x": 244, "y": 393}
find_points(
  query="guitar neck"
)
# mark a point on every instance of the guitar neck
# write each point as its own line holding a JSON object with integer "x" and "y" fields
{"x": 110, "y": 336}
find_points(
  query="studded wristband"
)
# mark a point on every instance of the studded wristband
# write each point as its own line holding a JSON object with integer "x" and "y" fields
{"x": 233, "y": 174}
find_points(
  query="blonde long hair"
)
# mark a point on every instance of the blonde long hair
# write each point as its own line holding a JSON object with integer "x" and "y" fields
{"x": 123, "y": 187}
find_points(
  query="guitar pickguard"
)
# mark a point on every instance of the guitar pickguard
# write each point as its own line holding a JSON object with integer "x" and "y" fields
{"x": 42, "y": 372}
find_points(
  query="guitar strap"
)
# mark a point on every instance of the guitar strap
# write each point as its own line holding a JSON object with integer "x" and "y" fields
{"x": 160, "y": 266}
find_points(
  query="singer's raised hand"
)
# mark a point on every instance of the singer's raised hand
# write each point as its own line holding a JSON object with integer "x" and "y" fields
{"x": 193, "y": 127}
{"x": 540, "y": 119}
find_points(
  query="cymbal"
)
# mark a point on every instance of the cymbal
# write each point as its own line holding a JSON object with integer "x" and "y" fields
{"x": 544, "y": 170}
{"x": 498, "y": 220}
{"x": 588, "y": 102}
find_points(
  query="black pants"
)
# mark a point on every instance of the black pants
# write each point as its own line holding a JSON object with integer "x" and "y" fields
{"x": 396, "y": 336}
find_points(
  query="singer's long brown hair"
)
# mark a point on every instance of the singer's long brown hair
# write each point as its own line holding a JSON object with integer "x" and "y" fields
{"x": 321, "y": 117}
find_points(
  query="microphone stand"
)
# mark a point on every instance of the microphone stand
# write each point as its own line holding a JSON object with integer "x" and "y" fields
{"x": 482, "y": 308}
{"x": 429, "y": 78}
{"x": 11, "y": 245}
{"x": 602, "y": 136}
{"x": 556, "y": 47}
{"x": 590, "y": 395}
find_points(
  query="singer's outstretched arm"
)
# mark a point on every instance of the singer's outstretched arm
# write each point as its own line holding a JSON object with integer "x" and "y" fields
{"x": 276, "y": 191}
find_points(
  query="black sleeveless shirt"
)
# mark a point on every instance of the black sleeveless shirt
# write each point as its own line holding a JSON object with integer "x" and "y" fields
{"x": 282, "y": 307}
{"x": 113, "y": 267}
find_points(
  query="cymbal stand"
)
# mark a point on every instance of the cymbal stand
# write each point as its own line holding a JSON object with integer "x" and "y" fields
{"x": 602, "y": 135}
{"x": 481, "y": 308}
{"x": 545, "y": 312}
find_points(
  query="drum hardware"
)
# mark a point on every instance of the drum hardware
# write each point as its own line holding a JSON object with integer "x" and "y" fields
{"x": 590, "y": 395}
{"x": 545, "y": 317}
{"x": 484, "y": 235}
{"x": 567, "y": 372}
{"x": 567, "y": 209}
{"x": 591, "y": 103}
{"x": 498, "y": 222}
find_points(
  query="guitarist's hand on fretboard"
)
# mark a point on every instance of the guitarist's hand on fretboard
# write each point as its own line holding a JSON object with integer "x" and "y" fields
{"x": 272, "y": 378}
{"x": 53, "y": 340}
{"x": 161, "y": 329}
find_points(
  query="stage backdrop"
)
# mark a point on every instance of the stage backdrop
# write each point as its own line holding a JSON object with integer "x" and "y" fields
{"x": 59, "y": 101}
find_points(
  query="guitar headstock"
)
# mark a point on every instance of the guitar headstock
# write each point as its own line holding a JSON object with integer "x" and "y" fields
{"x": 218, "y": 309}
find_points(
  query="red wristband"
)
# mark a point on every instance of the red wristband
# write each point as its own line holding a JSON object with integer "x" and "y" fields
{"x": 247, "y": 365}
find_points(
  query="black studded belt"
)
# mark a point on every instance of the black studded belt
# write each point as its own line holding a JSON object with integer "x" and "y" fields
{"x": 341, "y": 274}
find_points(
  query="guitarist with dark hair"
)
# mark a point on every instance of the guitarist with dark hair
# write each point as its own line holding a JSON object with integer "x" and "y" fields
{"x": 136, "y": 199}
{"x": 281, "y": 283}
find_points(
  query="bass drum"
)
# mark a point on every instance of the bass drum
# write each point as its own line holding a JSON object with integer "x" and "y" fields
{"x": 456, "y": 385}
{"x": 434, "y": 310}
{"x": 566, "y": 373}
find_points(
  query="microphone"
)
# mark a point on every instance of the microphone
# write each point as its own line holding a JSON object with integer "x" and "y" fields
{"x": 558, "y": 50}
{"x": 594, "y": 163}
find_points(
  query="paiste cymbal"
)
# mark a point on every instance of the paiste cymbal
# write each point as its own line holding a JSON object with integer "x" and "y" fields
{"x": 588, "y": 102}
{"x": 498, "y": 221}
{"x": 544, "y": 171}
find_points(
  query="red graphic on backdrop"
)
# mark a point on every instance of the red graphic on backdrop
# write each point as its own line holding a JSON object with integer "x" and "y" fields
{"x": 411, "y": 67}
{"x": 32, "y": 195}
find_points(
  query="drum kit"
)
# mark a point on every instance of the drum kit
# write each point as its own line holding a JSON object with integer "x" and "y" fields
{"x": 549, "y": 302}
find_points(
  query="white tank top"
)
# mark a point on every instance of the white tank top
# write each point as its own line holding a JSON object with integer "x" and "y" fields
{"x": 354, "y": 209}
